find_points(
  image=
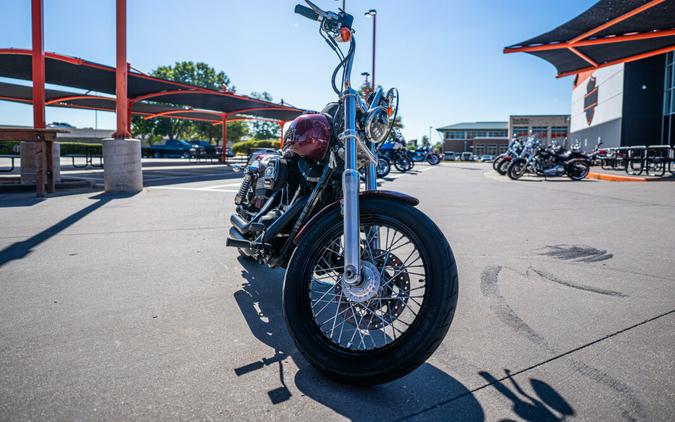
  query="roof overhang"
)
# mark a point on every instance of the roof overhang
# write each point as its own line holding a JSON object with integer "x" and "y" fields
{"x": 609, "y": 33}
{"x": 146, "y": 94}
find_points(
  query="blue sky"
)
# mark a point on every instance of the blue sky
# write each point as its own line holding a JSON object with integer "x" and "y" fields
{"x": 445, "y": 57}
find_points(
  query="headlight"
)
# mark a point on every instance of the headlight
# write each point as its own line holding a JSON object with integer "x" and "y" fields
{"x": 377, "y": 125}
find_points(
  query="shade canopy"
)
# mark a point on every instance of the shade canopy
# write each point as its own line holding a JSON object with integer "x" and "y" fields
{"x": 610, "y": 32}
{"x": 144, "y": 92}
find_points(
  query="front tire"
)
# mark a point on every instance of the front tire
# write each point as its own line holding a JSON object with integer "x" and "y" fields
{"x": 403, "y": 163}
{"x": 383, "y": 167}
{"x": 517, "y": 168}
{"x": 366, "y": 363}
{"x": 433, "y": 159}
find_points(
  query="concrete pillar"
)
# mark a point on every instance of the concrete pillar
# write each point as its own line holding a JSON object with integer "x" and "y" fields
{"x": 29, "y": 161}
{"x": 122, "y": 165}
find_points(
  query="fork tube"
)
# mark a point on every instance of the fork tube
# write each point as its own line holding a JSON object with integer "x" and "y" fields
{"x": 350, "y": 190}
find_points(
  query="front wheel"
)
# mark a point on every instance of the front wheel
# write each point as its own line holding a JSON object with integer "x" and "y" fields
{"x": 433, "y": 159}
{"x": 383, "y": 167}
{"x": 497, "y": 162}
{"x": 402, "y": 163}
{"x": 395, "y": 319}
{"x": 517, "y": 168}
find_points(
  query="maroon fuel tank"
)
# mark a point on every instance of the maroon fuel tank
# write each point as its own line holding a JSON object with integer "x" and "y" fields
{"x": 308, "y": 136}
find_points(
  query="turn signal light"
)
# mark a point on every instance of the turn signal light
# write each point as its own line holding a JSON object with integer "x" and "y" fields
{"x": 345, "y": 34}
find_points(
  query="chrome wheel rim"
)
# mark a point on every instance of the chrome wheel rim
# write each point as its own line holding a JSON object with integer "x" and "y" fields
{"x": 365, "y": 325}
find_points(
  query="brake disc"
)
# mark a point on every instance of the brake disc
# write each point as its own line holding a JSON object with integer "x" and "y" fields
{"x": 389, "y": 302}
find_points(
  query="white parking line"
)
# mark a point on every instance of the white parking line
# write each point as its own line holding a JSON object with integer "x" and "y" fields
{"x": 206, "y": 189}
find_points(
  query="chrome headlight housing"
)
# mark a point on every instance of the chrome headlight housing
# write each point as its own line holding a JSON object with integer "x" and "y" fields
{"x": 377, "y": 124}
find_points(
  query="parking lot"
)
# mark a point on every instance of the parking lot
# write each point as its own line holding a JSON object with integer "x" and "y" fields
{"x": 131, "y": 307}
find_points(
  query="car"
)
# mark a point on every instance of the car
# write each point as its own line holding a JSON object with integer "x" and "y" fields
{"x": 205, "y": 147}
{"x": 171, "y": 148}
{"x": 468, "y": 156}
{"x": 487, "y": 158}
{"x": 449, "y": 156}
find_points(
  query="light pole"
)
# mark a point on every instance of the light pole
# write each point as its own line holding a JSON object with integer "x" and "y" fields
{"x": 366, "y": 74}
{"x": 371, "y": 174}
{"x": 430, "y": 135}
{"x": 372, "y": 13}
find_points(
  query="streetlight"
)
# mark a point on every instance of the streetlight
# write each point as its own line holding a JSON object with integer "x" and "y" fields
{"x": 366, "y": 74}
{"x": 372, "y": 13}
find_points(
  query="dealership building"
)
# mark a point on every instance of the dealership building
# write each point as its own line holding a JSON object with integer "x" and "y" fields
{"x": 493, "y": 137}
{"x": 621, "y": 55}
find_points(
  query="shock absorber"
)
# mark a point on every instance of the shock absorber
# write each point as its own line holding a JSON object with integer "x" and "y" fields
{"x": 243, "y": 189}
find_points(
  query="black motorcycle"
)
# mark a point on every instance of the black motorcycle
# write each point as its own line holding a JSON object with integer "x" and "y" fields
{"x": 371, "y": 282}
{"x": 549, "y": 162}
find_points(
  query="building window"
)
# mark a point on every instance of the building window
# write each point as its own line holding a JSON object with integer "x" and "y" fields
{"x": 540, "y": 132}
{"x": 476, "y": 134}
{"x": 503, "y": 148}
{"x": 492, "y": 149}
{"x": 520, "y": 131}
{"x": 559, "y": 132}
{"x": 455, "y": 134}
{"x": 497, "y": 134}
{"x": 479, "y": 149}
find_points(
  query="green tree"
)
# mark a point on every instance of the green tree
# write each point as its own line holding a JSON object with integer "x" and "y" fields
{"x": 425, "y": 141}
{"x": 198, "y": 74}
{"x": 260, "y": 129}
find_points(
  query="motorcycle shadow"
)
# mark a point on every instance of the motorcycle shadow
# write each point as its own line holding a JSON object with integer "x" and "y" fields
{"x": 260, "y": 303}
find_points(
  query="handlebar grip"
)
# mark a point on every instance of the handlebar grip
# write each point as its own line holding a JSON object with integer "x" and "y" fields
{"x": 306, "y": 12}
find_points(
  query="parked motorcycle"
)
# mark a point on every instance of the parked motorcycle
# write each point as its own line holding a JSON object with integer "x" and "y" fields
{"x": 549, "y": 162}
{"x": 395, "y": 151}
{"x": 426, "y": 154}
{"x": 502, "y": 162}
{"x": 371, "y": 283}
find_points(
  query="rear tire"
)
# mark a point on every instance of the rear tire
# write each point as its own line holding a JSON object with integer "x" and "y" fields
{"x": 578, "y": 170}
{"x": 418, "y": 341}
{"x": 517, "y": 168}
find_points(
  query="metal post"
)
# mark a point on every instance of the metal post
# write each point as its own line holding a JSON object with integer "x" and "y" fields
{"x": 223, "y": 153}
{"x": 38, "y": 76}
{"x": 374, "y": 35}
{"x": 281, "y": 126}
{"x": 122, "y": 103}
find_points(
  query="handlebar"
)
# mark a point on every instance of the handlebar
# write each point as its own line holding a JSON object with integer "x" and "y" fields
{"x": 306, "y": 12}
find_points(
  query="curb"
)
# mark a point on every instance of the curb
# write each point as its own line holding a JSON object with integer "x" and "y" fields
{"x": 615, "y": 178}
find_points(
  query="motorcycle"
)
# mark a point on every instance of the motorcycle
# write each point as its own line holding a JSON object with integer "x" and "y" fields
{"x": 426, "y": 154}
{"x": 549, "y": 162}
{"x": 371, "y": 282}
{"x": 395, "y": 150}
{"x": 502, "y": 162}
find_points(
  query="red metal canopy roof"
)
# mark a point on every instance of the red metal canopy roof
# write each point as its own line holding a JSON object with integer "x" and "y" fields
{"x": 78, "y": 73}
{"x": 610, "y": 32}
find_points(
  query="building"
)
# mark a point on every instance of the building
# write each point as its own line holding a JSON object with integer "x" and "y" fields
{"x": 621, "y": 53}
{"x": 493, "y": 137}
{"x": 626, "y": 104}
{"x": 547, "y": 127}
{"x": 477, "y": 137}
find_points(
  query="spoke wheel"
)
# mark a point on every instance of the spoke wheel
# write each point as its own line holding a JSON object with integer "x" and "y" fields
{"x": 391, "y": 322}
{"x": 378, "y": 321}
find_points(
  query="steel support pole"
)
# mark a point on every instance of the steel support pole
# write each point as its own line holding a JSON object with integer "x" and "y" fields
{"x": 38, "y": 76}
{"x": 121, "y": 71}
{"x": 374, "y": 36}
{"x": 281, "y": 126}
{"x": 223, "y": 153}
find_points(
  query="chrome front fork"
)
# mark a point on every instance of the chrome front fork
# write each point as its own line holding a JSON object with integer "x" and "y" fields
{"x": 350, "y": 191}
